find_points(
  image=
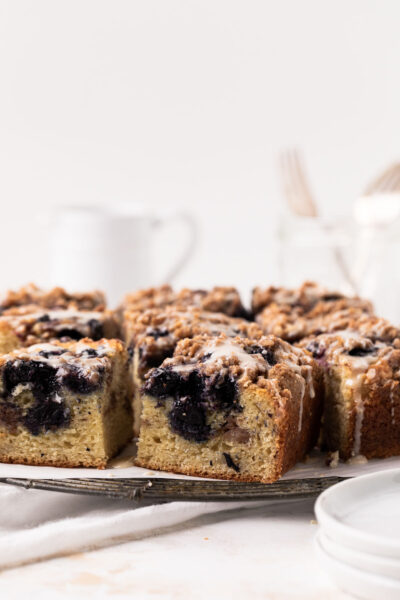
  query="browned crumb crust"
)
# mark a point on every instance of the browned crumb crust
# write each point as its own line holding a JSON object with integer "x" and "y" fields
{"x": 99, "y": 464}
{"x": 54, "y": 298}
{"x": 303, "y": 298}
{"x": 222, "y": 474}
{"x": 218, "y": 299}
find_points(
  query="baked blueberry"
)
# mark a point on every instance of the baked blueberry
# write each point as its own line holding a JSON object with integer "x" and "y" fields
{"x": 188, "y": 419}
{"x": 46, "y": 415}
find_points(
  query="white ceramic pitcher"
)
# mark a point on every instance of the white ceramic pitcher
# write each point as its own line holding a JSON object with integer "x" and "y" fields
{"x": 109, "y": 248}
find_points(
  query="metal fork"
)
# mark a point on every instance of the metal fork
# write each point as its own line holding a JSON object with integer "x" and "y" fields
{"x": 301, "y": 201}
{"x": 386, "y": 182}
{"x": 296, "y": 187}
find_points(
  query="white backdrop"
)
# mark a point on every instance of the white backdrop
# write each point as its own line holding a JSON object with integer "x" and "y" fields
{"x": 186, "y": 103}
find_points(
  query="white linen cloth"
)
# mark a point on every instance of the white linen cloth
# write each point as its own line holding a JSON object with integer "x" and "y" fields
{"x": 36, "y": 524}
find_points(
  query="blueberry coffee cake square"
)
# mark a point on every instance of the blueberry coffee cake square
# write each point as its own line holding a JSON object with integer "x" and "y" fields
{"x": 152, "y": 336}
{"x": 305, "y": 297}
{"x": 293, "y": 314}
{"x": 219, "y": 299}
{"x": 54, "y": 298}
{"x": 230, "y": 408}
{"x": 28, "y": 325}
{"x": 65, "y": 404}
{"x": 362, "y": 393}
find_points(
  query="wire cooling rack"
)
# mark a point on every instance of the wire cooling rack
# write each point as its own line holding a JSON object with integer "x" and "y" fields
{"x": 168, "y": 490}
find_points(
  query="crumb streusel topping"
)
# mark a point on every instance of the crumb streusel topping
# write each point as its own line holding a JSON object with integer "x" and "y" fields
{"x": 303, "y": 298}
{"x": 218, "y": 299}
{"x": 54, "y": 298}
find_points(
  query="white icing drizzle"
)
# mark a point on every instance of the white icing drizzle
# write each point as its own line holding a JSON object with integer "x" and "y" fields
{"x": 229, "y": 349}
{"x": 301, "y": 404}
{"x": 339, "y": 348}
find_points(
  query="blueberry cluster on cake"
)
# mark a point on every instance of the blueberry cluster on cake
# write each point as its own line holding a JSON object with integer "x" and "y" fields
{"x": 233, "y": 408}
{"x": 65, "y": 404}
{"x": 153, "y": 335}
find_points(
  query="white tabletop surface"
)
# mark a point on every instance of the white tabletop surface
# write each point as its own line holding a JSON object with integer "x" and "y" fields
{"x": 265, "y": 552}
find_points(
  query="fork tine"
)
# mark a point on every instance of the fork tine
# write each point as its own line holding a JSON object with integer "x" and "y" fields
{"x": 288, "y": 187}
{"x": 388, "y": 181}
{"x": 302, "y": 183}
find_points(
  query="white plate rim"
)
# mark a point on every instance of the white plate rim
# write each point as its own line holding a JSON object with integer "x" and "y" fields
{"x": 367, "y": 560}
{"x": 352, "y": 536}
{"x": 336, "y": 568}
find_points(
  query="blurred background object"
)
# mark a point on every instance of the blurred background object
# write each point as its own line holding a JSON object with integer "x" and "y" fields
{"x": 311, "y": 248}
{"x": 377, "y": 254}
{"x": 185, "y": 105}
{"x": 111, "y": 248}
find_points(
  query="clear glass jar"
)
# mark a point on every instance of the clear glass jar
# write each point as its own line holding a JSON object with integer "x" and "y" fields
{"x": 343, "y": 256}
{"x": 311, "y": 248}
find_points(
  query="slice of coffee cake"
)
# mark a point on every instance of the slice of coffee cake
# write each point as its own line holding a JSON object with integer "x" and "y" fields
{"x": 295, "y": 314}
{"x": 219, "y": 299}
{"x": 28, "y": 325}
{"x": 304, "y": 297}
{"x": 54, "y": 298}
{"x": 230, "y": 408}
{"x": 66, "y": 405}
{"x": 362, "y": 393}
{"x": 153, "y": 335}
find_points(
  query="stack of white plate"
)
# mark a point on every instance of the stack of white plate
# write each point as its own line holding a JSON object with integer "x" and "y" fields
{"x": 358, "y": 540}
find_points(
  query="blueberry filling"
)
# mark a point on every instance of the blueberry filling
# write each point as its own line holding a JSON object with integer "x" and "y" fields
{"x": 266, "y": 353}
{"x": 162, "y": 383}
{"x": 49, "y": 353}
{"x": 332, "y": 297}
{"x": 77, "y": 383}
{"x": 46, "y": 415}
{"x": 189, "y": 420}
{"x": 205, "y": 357}
{"x": 316, "y": 350}
{"x": 242, "y": 313}
{"x": 40, "y": 376}
{"x": 362, "y": 351}
{"x": 43, "y": 318}
{"x": 230, "y": 463}
{"x": 89, "y": 353}
{"x": 157, "y": 333}
{"x": 71, "y": 334}
{"x": 195, "y": 397}
{"x": 96, "y": 329}
{"x": 150, "y": 358}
